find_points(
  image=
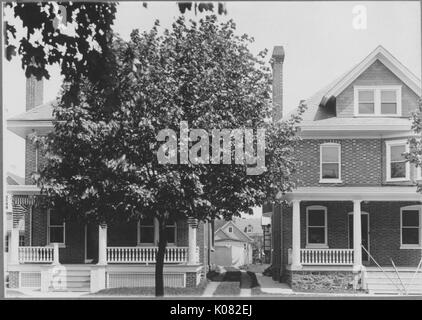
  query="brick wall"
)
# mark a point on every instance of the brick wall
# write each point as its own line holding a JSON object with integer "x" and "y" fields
{"x": 34, "y": 92}
{"x": 39, "y": 226}
{"x": 277, "y": 241}
{"x": 384, "y": 224}
{"x": 363, "y": 162}
{"x": 30, "y": 161}
{"x": 376, "y": 74}
{"x": 190, "y": 279}
{"x": 14, "y": 279}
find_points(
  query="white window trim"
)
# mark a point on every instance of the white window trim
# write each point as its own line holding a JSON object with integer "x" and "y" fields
{"x": 317, "y": 245}
{"x": 138, "y": 235}
{"x": 155, "y": 243}
{"x": 325, "y": 180}
{"x": 388, "y": 145}
{"x": 377, "y": 100}
{"x": 411, "y": 246}
{"x": 61, "y": 244}
{"x": 418, "y": 173}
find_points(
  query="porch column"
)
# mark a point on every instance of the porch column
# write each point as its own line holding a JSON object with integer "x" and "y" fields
{"x": 14, "y": 243}
{"x": 357, "y": 235}
{"x": 102, "y": 244}
{"x": 193, "y": 225}
{"x": 56, "y": 253}
{"x": 296, "y": 235}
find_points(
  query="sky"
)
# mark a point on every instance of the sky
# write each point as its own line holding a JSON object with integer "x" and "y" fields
{"x": 319, "y": 39}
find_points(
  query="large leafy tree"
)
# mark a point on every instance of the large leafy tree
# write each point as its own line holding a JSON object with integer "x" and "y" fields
{"x": 414, "y": 155}
{"x": 102, "y": 156}
{"x": 80, "y": 49}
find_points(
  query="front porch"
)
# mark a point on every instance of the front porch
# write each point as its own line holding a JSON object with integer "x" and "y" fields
{"x": 81, "y": 256}
{"x": 333, "y": 235}
{"x": 114, "y": 255}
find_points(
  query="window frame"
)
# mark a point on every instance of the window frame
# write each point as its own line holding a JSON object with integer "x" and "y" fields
{"x": 155, "y": 227}
{"x": 409, "y": 208}
{"x": 138, "y": 232}
{"x": 61, "y": 244}
{"x": 418, "y": 173}
{"x": 6, "y": 242}
{"x": 317, "y": 245}
{"x": 175, "y": 234}
{"x": 377, "y": 100}
{"x": 388, "y": 145}
{"x": 330, "y": 180}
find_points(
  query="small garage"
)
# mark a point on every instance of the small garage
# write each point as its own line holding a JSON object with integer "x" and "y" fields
{"x": 232, "y": 246}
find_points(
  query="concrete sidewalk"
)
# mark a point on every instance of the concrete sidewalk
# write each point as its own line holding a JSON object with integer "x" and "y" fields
{"x": 22, "y": 293}
{"x": 268, "y": 285}
{"x": 245, "y": 284}
{"x": 212, "y": 285}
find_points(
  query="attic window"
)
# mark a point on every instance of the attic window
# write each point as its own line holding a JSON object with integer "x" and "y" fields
{"x": 377, "y": 101}
{"x": 230, "y": 229}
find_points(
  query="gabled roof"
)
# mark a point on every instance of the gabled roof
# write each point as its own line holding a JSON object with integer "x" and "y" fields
{"x": 243, "y": 223}
{"x": 318, "y": 116}
{"x": 43, "y": 112}
{"x": 226, "y": 236}
{"x": 39, "y": 118}
{"x": 14, "y": 179}
{"x": 384, "y": 56}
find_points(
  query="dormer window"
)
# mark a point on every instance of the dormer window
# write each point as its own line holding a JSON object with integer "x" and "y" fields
{"x": 377, "y": 100}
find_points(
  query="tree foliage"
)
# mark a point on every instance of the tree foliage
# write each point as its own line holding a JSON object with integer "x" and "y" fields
{"x": 80, "y": 52}
{"x": 102, "y": 155}
{"x": 414, "y": 156}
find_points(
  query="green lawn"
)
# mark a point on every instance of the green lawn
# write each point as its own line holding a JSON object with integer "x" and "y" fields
{"x": 197, "y": 291}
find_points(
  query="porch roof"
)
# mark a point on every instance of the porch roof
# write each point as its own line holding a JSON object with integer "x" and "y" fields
{"x": 384, "y": 193}
{"x": 24, "y": 189}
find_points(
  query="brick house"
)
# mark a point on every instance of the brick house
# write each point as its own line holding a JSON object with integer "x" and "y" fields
{"x": 58, "y": 254}
{"x": 355, "y": 211}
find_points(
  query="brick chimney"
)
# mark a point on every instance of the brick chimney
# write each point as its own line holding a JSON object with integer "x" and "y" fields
{"x": 34, "y": 92}
{"x": 277, "y": 64}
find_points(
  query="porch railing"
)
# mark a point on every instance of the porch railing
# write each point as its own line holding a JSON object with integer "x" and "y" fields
{"x": 326, "y": 256}
{"x": 36, "y": 254}
{"x": 146, "y": 254}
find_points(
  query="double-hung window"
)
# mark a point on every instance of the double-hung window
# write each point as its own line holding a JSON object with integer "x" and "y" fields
{"x": 171, "y": 229}
{"x": 56, "y": 227}
{"x": 330, "y": 160}
{"x": 377, "y": 100}
{"x": 316, "y": 226}
{"x": 148, "y": 231}
{"x": 410, "y": 218}
{"x": 397, "y": 166}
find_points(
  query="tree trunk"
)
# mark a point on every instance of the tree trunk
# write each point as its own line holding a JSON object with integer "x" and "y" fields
{"x": 159, "y": 264}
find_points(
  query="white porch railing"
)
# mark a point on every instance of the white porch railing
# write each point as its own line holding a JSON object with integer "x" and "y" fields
{"x": 146, "y": 254}
{"x": 36, "y": 254}
{"x": 326, "y": 256}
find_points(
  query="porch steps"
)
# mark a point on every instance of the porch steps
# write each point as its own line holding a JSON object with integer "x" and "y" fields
{"x": 376, "y": 281}
{"x": 75, "y": 278}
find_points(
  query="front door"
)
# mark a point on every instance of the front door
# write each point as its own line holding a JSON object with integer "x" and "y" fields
{"x": 365, "y": 235}
{"x": 91, "y": 243}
